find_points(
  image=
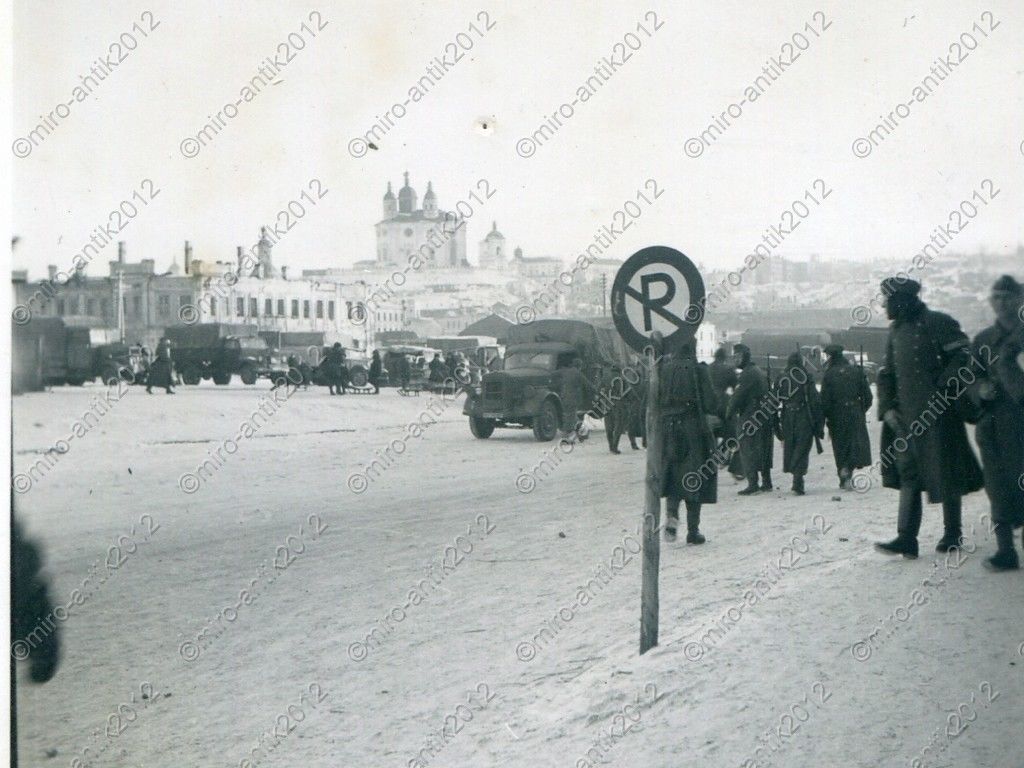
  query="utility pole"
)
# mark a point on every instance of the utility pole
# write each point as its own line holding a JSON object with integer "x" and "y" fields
{"x": 604, "y": 294}
{"x": 120, "y": 304}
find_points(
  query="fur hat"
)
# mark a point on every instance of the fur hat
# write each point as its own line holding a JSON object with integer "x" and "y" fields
{"x": 900, "y": 285}
{"x": 1006, "y": 284}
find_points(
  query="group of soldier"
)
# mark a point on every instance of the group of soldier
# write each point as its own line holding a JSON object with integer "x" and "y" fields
{"x": 933, "y": 382}
{"x": 335, "y": 371}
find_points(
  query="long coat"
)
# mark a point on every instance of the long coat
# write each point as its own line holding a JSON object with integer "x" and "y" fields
{"x": 376, "y": 369}
{"x": 752, "y": 410}
{"x": 801, "y": 420}
{"x": 334, "y": 366}
{"x": 689, "y": 469}
{"x": 723, "y": 378}
{"x": 625, "y": 417}
{"x": 161, "y": 371}
{"x": 1000, "y": 432}
{"x": 922, "y": 380}
{"x": 845, "y": 398}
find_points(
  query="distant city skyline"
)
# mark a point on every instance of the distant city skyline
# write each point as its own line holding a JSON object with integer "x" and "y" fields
{"x": 635, "y": 126}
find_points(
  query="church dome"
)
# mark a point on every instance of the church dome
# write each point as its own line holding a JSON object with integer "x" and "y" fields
{"x": 494, "y": 234}
{"x": 430, "y": 192}
{"x": 389, "y": 195}
{"x": 406, "y": 197}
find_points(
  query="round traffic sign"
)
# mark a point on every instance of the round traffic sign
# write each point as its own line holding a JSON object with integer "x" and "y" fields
{"x": 657, "y": 289}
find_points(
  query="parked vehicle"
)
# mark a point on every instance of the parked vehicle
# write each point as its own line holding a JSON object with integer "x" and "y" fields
{"x": 218, "y": 351}
{"x": 48, "y": 353}
{"x": 540, "y": 386}
{"x": 418, "y": 358}
{"x": 305, "y": 346}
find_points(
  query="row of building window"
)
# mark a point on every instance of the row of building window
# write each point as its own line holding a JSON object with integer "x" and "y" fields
{"x": 91, "y": 307}
{"x": 270, "y": 309}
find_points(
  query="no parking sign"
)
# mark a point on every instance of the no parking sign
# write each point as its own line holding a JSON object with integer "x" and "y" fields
{"x": 658, "y": 289}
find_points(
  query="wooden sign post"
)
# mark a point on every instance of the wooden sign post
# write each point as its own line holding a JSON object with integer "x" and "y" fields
{"x": 649, "y": 601}
{"x": 655, "y": 323}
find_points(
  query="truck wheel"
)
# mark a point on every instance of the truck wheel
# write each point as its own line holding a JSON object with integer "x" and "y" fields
{"x": 545, "y": 423}
{"x": 222, "y": 379}
{"x": 248, "y": 374}
{"x": 191, "y": 376}
{"x": 111, "y": 377}
{"x": 480, "y": 427}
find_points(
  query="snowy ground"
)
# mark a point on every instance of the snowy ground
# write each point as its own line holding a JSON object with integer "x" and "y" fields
{"x": 736, "y": 670}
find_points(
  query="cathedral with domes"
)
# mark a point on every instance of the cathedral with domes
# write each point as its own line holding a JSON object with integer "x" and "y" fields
{"x": 438, "y": 237}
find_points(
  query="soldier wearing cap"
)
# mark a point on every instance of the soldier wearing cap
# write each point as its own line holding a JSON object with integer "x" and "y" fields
{"x": 845, "y": 398}
{"x": 752, "y": 409}
{"x": 999, "y": 393}
{"x": 920, "y": 394}
{"x": 800, "y": 419}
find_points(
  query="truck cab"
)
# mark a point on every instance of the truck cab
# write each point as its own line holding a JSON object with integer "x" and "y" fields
{"x": 544, "y": 386}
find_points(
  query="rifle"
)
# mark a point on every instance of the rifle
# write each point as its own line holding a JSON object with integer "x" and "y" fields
{"x": 810, "y": 413}
{"x": 863, "y": 378}
{"x": 775, "y": 428}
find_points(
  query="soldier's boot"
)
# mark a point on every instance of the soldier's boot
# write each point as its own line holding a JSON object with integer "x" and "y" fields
{"x": 766, "y": 481}
{"x": 613, "y": 439}
{"x": 693, "y": 534}
{"x": 751, "y": 488}
{"x": 907, "y": 526}
{"x": 798, "y": 485}
{"x": 845, "y": 482}
{"x": 672, "y": 517}
{"x": 951, "y": 518}
{"x": 1005, "y": 558}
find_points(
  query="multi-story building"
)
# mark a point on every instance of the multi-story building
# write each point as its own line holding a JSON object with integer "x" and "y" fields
{"x": 437, "y": 236}
{"x": 142, "y": 303}
{"x": 539, "y": 267}
{"x": 492, "y": 254}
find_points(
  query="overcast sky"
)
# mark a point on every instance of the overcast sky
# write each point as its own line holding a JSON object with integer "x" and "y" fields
{"x": 866, "y": 58}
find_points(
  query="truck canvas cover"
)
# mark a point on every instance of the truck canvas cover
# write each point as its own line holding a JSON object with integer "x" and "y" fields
{"x": 207, "y": 334}
{"x": 596, "y": 341}
{"x": 283, "y": 339}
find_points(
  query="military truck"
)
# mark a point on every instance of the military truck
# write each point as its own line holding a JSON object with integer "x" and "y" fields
{"x": 218, "y": 351}
{"x": 540, "y": 387}
{"x": 56, "y": 353}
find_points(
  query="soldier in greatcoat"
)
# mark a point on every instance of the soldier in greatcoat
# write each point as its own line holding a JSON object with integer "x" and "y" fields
{"x": 334, "y": 366}
{"x": 999, "y": 393}
{"x": 921, "y": 394}
{"x": 724, "y": 380}
{"x": 689, "y": 469}
{"x": 845, "y": 398}
{"x": 800, "y": 419}
{"x": 623, "y": 416}
{"x": 752, "y": 410}
{"x": 161, "y": 372}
